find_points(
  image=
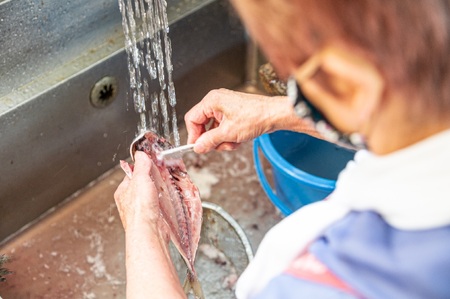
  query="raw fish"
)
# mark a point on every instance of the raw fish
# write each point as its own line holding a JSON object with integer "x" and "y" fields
{"x": 179, "y": 203}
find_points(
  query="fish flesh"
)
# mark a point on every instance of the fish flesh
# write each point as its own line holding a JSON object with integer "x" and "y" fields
{"x": 179, "y": 202}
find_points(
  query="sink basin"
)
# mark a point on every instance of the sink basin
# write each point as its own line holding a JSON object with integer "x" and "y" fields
{"x": 55, "y": 142}
{"x": 77, "y": 250}
{"x": 58, "y": 221}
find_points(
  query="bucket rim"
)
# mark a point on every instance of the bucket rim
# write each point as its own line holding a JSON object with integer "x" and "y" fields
{"x": 274, "y": 157}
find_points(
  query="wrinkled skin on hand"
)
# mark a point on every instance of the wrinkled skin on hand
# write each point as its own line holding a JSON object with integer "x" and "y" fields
{"x": 158, "y": 202}
{"x": 238, "y": 117}
{"x": 148, "y": 263}
{"x": 137, "y": 197}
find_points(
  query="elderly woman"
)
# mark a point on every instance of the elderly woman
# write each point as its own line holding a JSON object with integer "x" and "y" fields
{"x": 377, "y": 70}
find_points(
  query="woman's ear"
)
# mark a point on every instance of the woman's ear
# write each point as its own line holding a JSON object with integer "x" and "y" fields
{"x": 352, "y": 92}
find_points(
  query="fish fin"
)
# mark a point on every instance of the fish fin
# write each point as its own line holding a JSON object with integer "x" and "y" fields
{"x": 127, "y": 168}
{"x": 187, "y": 286}
{"x": 192, "y": 283}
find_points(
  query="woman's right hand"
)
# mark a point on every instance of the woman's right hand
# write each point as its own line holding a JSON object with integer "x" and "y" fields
{"x": 236, "y": 117}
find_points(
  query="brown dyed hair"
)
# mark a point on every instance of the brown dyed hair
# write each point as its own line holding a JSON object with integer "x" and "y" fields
{"x": 408, "y": 40}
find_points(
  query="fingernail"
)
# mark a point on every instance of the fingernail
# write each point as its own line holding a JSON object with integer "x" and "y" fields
{"x": 199, "y": 148}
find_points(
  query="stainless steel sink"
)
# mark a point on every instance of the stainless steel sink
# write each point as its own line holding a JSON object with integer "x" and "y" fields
{"x": 53, "y": 140}
{"x": 59, "y": 153}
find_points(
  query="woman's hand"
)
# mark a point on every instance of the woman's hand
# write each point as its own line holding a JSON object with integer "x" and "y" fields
{"x": 150, "y": 272}
{"x": 137, "y": 196}
{"x": 235, "y": 117}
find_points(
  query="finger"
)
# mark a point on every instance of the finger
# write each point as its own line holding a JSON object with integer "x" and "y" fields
{"x": 210, "y": 140}
{"x": 194, "y": 132}
{"x": 142, "y": 163}
{"x": 215, "y": 124}
{"x": 227, "y": 146}
{"x": 200, "y": 115}
{"x": 196, "y": 120}
{"x": 121, "y": 188}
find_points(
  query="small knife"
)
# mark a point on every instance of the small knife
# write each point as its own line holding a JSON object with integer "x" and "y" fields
{"x": 176, "y": 152}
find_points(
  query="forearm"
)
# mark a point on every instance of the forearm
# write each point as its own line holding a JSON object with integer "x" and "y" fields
{"x": 150, "y": 273}
{"x": 239, "y": 117}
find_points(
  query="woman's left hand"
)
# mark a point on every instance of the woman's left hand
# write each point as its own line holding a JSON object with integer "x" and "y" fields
{"x": 137, "y": 197}
{"x": 150, "y": 271}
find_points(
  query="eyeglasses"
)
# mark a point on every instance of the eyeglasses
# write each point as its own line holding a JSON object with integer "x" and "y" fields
{"x": 305, "y": 110}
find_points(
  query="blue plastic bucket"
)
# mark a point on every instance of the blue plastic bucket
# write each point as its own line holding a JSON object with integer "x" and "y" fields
{"x": 304, "y": 168}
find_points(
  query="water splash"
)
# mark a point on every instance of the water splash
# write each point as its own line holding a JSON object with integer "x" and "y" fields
{"x": 154, "y": 116}
{"x": 176, "y": 134}
{"x": 165, "y": 114}
{"x": 149, "y": 56}
{"x": 172, "y": 97}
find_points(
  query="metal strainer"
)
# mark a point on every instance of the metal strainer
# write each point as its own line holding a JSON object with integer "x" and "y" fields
{"x": 223, "y": 254}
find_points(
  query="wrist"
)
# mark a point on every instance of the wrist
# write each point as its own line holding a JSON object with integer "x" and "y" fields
{"x": 156, "y": 235}
{"x": 148, "y": 227}
{"x": 287, "y": 119}
{"x": 282, "y": 114}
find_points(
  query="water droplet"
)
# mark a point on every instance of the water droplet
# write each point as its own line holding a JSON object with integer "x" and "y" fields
{"x": 172, "y": 97}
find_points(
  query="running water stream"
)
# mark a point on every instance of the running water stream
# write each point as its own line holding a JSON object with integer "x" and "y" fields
{"x": 149, "y": 53}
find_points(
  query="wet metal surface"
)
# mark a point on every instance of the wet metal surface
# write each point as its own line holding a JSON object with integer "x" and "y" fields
{"x": 55, "y": 142}
{"x": 38, "y": 37}
{"x": 77, "y": 251}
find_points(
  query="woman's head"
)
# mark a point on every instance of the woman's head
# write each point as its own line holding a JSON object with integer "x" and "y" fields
{"x": 408, "y": 42}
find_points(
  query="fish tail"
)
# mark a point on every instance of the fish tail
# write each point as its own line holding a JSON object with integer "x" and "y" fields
{"x": 192, "y": 283}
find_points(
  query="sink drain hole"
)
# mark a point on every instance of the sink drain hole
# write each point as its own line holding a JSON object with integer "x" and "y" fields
{"x": 104, "y": 92}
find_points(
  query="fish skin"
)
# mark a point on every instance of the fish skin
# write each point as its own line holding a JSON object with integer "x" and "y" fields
{"x": 179, "y": 202}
